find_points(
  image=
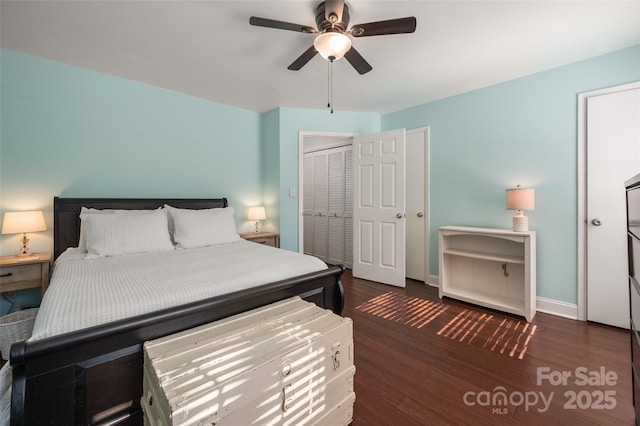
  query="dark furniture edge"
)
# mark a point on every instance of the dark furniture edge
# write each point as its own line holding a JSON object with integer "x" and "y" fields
{"x": 70, "y": 341}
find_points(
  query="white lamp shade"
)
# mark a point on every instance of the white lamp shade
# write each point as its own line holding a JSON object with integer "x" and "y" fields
{"x": 520, "y": 199}
{"x": 19, "y": 222}
{"x": 257, "y": 213}
{"x": 332, "y": 44}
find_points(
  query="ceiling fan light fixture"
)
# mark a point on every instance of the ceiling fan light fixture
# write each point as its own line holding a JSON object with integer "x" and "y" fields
{"x": 332, "y": 44}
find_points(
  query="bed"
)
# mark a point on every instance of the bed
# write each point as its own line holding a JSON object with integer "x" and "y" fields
{"x": 93, "y": 375}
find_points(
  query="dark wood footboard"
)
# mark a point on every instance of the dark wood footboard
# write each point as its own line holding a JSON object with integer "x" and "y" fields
{"x": 94, "y": 376}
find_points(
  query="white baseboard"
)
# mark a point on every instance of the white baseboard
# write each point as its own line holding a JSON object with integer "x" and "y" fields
{"x": 555, "y": 307}
{"x": 548, "y": 306}
{"x": 433, "y": 281}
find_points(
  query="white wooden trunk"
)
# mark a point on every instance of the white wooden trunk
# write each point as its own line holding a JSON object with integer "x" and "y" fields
{"x": 289, "y": 363}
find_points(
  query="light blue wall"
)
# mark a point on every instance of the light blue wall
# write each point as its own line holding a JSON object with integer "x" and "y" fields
{"x": 76, "y": 133}
{"x": 291, "y": 122}
{"x": 73, "y": 132}
{"x": 523, "y": 132}
{"x": 270, "y": 135}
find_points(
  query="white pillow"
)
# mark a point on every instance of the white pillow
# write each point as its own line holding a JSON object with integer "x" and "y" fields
{"x": 126, "y": 233}
{"x": 201, "y": 228}
{"x": 82, "y": 245}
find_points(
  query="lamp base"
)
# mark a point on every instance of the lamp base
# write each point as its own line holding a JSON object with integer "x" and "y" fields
{"x": 256, "y": 231}
{"x": 24, "y": 250}
{"x": 520, "y": 223}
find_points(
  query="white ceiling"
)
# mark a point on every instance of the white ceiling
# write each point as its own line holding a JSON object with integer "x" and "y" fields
{"x": 208, "y": 49}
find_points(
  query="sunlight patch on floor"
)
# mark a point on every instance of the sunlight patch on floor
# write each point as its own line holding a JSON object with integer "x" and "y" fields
{"x": 507, "y": 336}
{"x": 407, "y": 310}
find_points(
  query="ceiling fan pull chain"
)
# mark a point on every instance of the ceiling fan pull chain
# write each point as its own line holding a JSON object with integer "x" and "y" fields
{"x": 328, "y": 84}
{"x": 331, "y": 86}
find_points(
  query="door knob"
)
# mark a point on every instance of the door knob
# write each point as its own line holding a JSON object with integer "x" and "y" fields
{"x": 399, "y": 215}
{"x": 420, "y": 214}
{"x": 596, "y": 222}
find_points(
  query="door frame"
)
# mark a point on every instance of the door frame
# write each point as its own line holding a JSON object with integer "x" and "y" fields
{"x": 340, "y": 140}
{"x": 582, "y": 189}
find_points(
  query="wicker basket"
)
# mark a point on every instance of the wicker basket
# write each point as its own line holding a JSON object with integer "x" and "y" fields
{"x": 14, "y": 327}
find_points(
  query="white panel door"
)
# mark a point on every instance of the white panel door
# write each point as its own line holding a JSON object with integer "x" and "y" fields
{"x": 379, "y": 207}
{"x": 613, "y": 156}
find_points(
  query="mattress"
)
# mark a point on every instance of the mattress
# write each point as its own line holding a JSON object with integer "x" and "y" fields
{"x": 87, "y": 292}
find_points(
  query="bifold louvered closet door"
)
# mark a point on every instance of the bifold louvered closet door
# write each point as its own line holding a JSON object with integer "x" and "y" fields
{"x": 328, "y": 205}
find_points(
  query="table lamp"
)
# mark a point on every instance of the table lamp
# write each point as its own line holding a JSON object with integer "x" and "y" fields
{"x": 257, "y": 214}
{"x": 21, "y": 223}
{"x": 520, "y": 199}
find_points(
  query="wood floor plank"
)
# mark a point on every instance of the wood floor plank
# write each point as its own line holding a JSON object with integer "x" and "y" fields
{"x": 420, "y": 360}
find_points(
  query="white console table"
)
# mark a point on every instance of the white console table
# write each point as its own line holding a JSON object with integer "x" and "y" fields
{"x": 495, "y": 268}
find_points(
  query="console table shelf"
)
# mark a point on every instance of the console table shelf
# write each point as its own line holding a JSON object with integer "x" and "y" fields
{"x": 494, "y": 268}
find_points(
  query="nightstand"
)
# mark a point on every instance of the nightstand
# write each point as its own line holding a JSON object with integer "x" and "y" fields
{"x": 18, "y": 273}
{"x": 269, "y": 238}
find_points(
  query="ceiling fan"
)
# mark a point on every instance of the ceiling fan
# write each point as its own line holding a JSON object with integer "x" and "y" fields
{"x": 332, "y": 41}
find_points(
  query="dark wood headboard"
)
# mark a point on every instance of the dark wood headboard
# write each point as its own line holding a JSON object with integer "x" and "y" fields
{"x": 66, "y": 213}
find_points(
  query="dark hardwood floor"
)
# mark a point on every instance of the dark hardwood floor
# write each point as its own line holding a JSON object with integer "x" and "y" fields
{"x": 423, "y": 361}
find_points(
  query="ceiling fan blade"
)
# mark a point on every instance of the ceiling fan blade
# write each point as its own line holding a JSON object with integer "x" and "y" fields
{"x": 333, "y": 7}
{"x": 392, "y": 26}
{"x": 357, "y": 61}
{"x": 303, "y": 59}
{"x": 280, "y": 25}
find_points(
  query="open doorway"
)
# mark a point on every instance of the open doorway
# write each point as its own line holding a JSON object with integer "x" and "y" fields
{"x": 316, "y": 145}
